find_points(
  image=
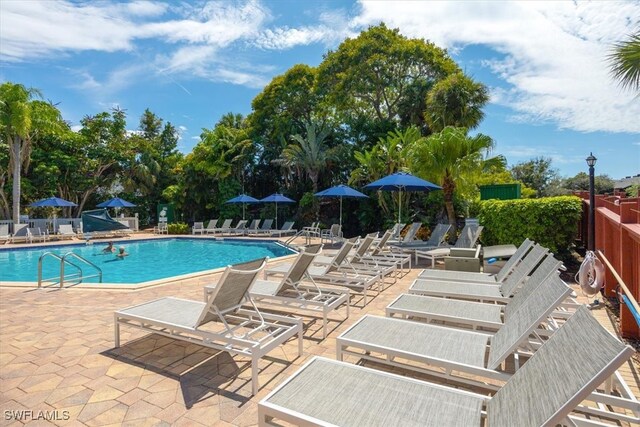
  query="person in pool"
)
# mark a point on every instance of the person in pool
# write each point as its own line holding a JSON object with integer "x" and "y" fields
{"x": 121, "y": 254}
{"x": 109, "y": 249}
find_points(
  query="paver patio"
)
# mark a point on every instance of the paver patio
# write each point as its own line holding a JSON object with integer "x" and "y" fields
{"x": 56, "y": 354}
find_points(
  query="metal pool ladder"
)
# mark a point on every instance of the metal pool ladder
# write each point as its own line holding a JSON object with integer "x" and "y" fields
{"x": 79, "y": 275}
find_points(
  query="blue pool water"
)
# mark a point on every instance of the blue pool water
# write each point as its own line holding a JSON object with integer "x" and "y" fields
{"x": 147, "y": 260}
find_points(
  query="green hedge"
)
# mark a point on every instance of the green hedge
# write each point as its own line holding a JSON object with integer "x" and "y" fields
{"x": 178, "y": 228}
{"x": 550, "y": 221}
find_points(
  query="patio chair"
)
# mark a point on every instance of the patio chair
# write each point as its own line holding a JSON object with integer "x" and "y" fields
{"x": 461, "y": 276}
{"x": 224, "y": 228}
{"x": 563, "y": 373}
{"x": 359, "y": 281}
{"x": 66, "y": 230}
{"x": 474, "y": 314}
{"x": 161, "y": 228}
{"x": 467, "y": 240}
{"x": 219, "y": 323}
{"x": 198, "y": 228}
{"x": 484, "y": 292}
{"x": 312, "y": 230}
{"x": 286, "y": 230}
{"x": 253, "y": 227}
{"x": 455, "y": 354}
{"x": 240, "y": 228}
{"x": 5, "y": 236}
{"x": 37, "y": 234}
{"x": 265, "y": 228}
{"x": 299, "y": 291}
{"x": 333, "y": 234}
{"x": 211, "y": 226}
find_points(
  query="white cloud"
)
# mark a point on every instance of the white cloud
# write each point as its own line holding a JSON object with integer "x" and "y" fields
{"x": 555, "y": 53}
{"x": 521, "y": 153}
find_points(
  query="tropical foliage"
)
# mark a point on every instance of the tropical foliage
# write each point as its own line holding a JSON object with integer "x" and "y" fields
{"x": 625, "y": 62}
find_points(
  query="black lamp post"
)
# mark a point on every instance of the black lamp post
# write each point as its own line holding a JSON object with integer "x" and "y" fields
{"x": 591, "y": 245}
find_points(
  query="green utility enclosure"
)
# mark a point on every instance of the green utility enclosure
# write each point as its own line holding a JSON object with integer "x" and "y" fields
{"x": 500, "y": 191}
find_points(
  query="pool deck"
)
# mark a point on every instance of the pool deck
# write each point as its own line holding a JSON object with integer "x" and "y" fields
{"x": 56, "y": 354}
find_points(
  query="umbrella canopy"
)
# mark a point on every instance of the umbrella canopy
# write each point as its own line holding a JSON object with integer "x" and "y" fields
{"x": 276, "y": 198}
{"x": 401, "y": 181}
{"x": 340, "y": 191}
{"x": 243, "y": 198}
{"x": 116, "y": 202}
{"x": 52, "y": 201}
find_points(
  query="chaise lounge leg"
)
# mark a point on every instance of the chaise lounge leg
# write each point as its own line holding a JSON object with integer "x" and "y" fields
{"x": 116, "y": 326}
{"x": 254, "y": 375}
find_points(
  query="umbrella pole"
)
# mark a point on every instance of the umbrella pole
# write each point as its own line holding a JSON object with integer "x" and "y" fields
{"x": 276, "y": 215}
{"x": 399, "y": 205}
{"x": 243, "y": 211}
{"x": 341, "y": 212}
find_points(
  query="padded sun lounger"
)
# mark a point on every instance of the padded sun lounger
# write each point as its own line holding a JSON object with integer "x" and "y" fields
{"x": 464, "y": 276}
{"x": 294, "y": 292}
{"x": 468, "y": 313}
{"x": 430, "y": 348}
{"x": 219, "y": 323}
{"x": 484, "y": 292}
{"x": 564, "y": 372}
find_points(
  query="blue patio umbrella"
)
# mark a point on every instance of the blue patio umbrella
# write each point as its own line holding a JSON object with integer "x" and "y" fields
{"x": 116, "y": 202}
{"x": 401, "y": 181}
{"x": 244, "y": 199}
{"x": 340, "y": 191}
{"x": 55, "y": 202}
{"x": 276, "y": 198}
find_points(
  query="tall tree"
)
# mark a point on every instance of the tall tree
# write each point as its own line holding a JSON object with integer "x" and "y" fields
{"x": 23, "y": 118}
{"x": 625, "y": 62}
{"x": 452, "y": 158}
{"x": 455, "y": 101}
{"x": 536, "y": 173}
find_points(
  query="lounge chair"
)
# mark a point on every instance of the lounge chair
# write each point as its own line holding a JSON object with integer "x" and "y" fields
{"x": 381, "y": 250}
{"x": 20, "y": 233}
{"x": 293, "y": 292}
{"x": 484, "y": 292}
{"x": 454, "y": 354}
{"x": 265, "y": 228}
{"x": 333, "y": 234}
{"x": 211, "y": 226}
{"x": 562, "y": 374}
{"x": 287, "y": 229}
{"x": 396, "y": 230}
{"x": 124, "y": 231}
{"x": 411, "y": 234}
{"x": 312, "y": 230}
{"x": 240, "y": 228}
{"x": 219, "y": 323}
{"x": 224, "y": 228}
{"x": 198, "y": 228}
{"x": 253, "y": 227}
{"x": 436, "y": 239}
{"x": 338, "y": 274}
{"x": 462, "y": 276}
{"x": 467, "y": 240}
{"x": 37, "y": 234}
{"x": 66, "y": 230}
{"x": 365, "y": 255}
{"x": 473, "y": 314}
{"x": 4, "y": 232}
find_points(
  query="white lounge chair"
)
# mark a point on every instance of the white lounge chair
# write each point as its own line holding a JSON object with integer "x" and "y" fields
{"x": 411, "y": 234}
{"x": 20, "y": 233}
{"x": 224, "y": 228}
{"x": 333, "y": 234}
{"x": 211, "y": 226}
{"x": 198, "y": 228}
{"x": 66, "y": 230}
{"x": 467, "y": 239}
{"x": 489, "y": 292}
{"x": 312, "y": 230}
{"x": 253, "y": 227}
{"x": 219, "y": 323}
{"x": 286, "y": 230}
{"x": 5, "y": 236}
{"x": 563, "y": 373}
{"x": 298, "y": 290}
{"x": 264, "y": 229}
{"x": 337, "y": 274}
{"x": 455, "y": 354}
{"x": 36, "y": 234}
{"x": 436, "y": 239}
{"x": 240, "y": 228}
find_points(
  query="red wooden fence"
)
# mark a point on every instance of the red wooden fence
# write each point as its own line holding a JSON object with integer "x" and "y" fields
{"x": 618, "y": 237}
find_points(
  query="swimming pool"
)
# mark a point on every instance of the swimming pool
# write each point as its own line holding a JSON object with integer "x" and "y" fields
{"x": 148, "y": 260}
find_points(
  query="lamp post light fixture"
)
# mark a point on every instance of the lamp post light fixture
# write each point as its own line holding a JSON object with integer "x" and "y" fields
{"x": 591, "y": 162}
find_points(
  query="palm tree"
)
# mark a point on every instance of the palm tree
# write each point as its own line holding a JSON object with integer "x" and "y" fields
{"x": 22, "y": 119}
{"x": 452, "y": 159}
{"x": 625, "y": 62}
{"x": 308, "y": 154}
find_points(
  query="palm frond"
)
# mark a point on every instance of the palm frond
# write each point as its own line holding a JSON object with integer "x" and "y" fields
{"x": 625, "y": 62}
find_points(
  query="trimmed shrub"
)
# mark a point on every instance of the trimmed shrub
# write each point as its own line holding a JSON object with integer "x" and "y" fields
{"x": 550, "y": 221}
{"x": 178, "y": 228}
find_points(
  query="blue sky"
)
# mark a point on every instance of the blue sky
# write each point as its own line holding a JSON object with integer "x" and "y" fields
{"x": 191, "y": 62}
